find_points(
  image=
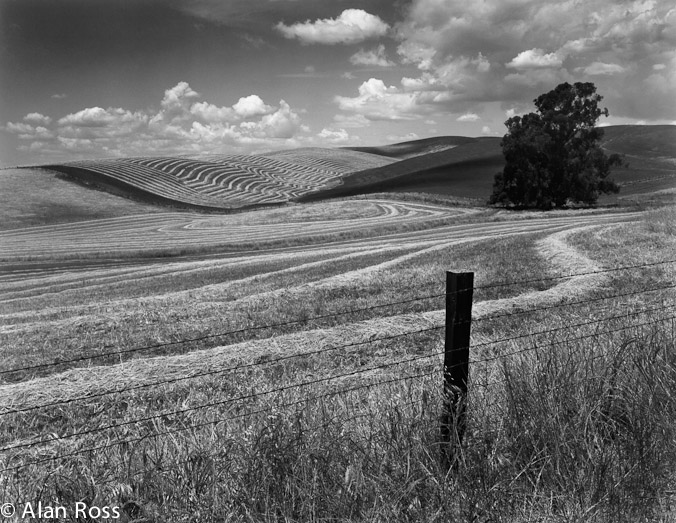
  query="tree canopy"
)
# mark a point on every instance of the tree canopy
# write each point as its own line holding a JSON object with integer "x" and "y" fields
{"x": 553, "y": 156}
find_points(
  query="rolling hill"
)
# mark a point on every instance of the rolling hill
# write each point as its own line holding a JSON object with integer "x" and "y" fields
{"x": 220, "y": 182}
{"x": 448, "y": 165}
{"x": 461, "y": 170}
{"x": 467, "y": 166}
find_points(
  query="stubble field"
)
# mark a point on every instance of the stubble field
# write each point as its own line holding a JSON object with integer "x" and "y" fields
{"x": 189, "y": 367}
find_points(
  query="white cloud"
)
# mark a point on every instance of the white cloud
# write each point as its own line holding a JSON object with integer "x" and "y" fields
{"x": 334, "y": 137}
{"x": 181, "y": 124}
{"x": 376, "y": 101}
{"x": 352, "y": 26}
{"x": 374, "y": 57}
{"x": 251, "y": 105}
{"x": 175, "y": 106}
{"x": 468, "y": 117}
{"x": 178, "y": 97}
{"x": 535, "y": 59}
{"x": 601, "y": 69}
{"x": 59, "y": 96}
{"x": 19, "y": 128}
{"x": 212, "y": 113}
{"x": 395, "y": 138}
{"x": 284, "y": 123}
{"x": 511, "y": 51}
{"x": 114, "y": 119}
{"x": 37, "y": 119}
{"x": 90, "y": 117}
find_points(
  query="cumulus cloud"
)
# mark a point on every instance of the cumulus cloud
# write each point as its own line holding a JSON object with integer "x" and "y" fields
{"x": 510, "y": 51}
{"x": 211, "y": 113}
{"x": 37, "y": 119}
{"x": 376, "y": 101}
{"x": 601, "y": 69}
{"x": 334, "y": 137}
{"x": 97, "y": 117}
{"x": 182, "y": 123}
{"x": 19, "y": 127}
{"x": 468, "y": 117}
{"x": 535, "y": 59}
{"x": 251, "y": 105}
{"x": 373, "y": 57}
{"x": 283, "y": 123}
{"x": 350, "y": 27}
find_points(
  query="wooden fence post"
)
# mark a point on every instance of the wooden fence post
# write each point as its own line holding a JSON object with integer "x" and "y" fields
{"x": 459, "y": 291}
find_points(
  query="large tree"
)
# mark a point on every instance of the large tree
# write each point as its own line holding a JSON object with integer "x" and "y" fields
{"x": 553, "y": 156}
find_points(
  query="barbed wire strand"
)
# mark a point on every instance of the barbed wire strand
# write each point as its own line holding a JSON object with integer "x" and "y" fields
{"x": 247, "y": 329}
{"x": 212, "y": 422}
{"x": 305, "y": 384}
{"x": 274, "y": 361}
{"x": 389, "y": 304}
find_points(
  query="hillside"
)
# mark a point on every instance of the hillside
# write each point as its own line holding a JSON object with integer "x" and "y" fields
{"x": 466, "y": 168}
{"x": 30, "y": 197}
{"x": 220, "y": 182}
{"x": 404, "y": 150}
{"x": 447, "y": 165}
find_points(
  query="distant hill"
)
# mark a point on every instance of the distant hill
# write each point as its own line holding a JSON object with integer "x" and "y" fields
{"x": 466, "y": 168}
{"x": 220, "y": 182}
{"x": 404, "y": 150}
{"x": 449, "y": 165}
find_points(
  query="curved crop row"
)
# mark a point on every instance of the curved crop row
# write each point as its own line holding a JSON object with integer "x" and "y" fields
{"x": 187, "y": 231}
{"x": 225, "y": 181}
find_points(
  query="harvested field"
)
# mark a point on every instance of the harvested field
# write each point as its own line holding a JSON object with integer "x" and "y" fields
{"x": 221, "y": 181}
{"x": 202, "y": 360}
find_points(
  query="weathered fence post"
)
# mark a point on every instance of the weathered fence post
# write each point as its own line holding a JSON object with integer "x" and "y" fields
{"x": 459, "y": 291}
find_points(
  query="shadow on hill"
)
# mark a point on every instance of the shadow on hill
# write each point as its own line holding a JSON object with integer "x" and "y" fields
{"x": 466, "y": 170}
{"x": 404, "y": 150}
{"x": 466, "y": 166}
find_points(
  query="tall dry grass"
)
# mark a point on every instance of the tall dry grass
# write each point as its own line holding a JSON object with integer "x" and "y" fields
{"x": 576, "y": 431}
{"x": 565, "y": 429}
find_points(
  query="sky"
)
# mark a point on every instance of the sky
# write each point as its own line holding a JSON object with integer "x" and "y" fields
{"x": 104, "y": 78}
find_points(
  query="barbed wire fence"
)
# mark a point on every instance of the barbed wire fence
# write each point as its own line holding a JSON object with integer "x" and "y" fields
{"x": 453, "y": 367}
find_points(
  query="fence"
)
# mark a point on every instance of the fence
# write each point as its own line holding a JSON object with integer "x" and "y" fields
{"x": 457, "y": 383}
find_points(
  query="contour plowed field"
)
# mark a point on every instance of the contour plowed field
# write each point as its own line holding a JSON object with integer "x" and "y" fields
{"x": 223, "y": 181}
{"x": 170, "y": 231}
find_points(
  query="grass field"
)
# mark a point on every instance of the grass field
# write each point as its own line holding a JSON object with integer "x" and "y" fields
{"x": 185, "y": 362}
{"x": 31, "y": 197}
{"x": 285, "y": 365}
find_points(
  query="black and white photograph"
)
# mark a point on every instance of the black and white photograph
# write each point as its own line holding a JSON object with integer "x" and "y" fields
{"x": 338, "y": 261}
